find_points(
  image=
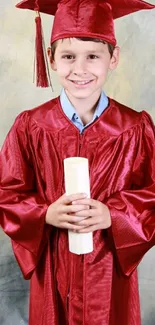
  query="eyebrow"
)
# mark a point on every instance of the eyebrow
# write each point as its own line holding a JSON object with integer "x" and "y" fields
{"x": 71, "y": 52}
{"x": 66, "y": 51}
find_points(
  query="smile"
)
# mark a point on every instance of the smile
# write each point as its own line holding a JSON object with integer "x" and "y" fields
{"x": 84, "y": 82}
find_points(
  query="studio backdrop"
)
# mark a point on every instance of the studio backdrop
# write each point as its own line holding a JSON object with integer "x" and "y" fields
{"x": 133, "y": 84}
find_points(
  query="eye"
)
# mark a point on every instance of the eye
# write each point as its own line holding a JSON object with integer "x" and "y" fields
{"x": 93, "y": 56}
{"x": 68, "y": 57}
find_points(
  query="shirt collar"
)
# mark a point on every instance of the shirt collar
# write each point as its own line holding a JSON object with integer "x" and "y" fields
{"x": 70, "y": 111}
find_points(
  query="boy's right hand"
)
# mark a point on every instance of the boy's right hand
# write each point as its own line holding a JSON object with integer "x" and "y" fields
{"x": 59, "y": 213}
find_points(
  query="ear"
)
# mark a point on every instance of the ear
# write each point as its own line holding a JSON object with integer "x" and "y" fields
{"x": 115, "y": 58}
{"x": 51, "y": 60}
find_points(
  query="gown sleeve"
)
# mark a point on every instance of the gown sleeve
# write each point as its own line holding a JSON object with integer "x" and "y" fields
{"x": 133, "y": 211}
{"x": 22, "y": 210}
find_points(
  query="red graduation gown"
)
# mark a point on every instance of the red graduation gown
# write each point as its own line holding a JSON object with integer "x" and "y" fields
{"x": 99, "y": 288}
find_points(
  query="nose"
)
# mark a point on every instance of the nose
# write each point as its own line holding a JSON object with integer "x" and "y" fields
{"x": 79, "y": 67}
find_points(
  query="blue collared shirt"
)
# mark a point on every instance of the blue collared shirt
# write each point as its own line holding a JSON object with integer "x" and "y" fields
{"x": 71, "y": 113}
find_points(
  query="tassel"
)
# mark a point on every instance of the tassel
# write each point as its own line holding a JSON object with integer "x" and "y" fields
{"x": 41, "y": 65}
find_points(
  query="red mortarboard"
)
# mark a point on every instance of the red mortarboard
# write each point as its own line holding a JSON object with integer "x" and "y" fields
{"x": 84, "y": 18}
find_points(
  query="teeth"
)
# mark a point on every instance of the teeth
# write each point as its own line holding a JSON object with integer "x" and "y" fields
{"x": 81, "y": 82}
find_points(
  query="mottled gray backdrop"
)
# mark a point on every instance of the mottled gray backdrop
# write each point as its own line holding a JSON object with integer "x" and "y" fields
{"x": 133, "y": 84}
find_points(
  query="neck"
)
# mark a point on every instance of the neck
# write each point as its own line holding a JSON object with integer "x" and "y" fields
{"x": 85, "y": 107}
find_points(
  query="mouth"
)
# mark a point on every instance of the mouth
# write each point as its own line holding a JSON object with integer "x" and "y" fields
{"x": 81, "y": 82}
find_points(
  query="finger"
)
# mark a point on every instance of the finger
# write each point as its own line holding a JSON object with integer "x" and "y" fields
{"x": 74, "y": 208}
{"x": 71, "y": 218}
{"x": 88, "y": 229}
{"x": 87, "y": 213}
{"x": 88, "y": 222}
{"x": 87, "y": 201}
{"x": 70, "y": 226}
{"x": 66, "y": 199}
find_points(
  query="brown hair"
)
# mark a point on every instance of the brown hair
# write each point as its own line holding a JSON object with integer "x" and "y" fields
{"x": 85, "y": 39}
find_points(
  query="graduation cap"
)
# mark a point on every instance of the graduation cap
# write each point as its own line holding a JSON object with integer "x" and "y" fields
{"x": 79, "y": 18}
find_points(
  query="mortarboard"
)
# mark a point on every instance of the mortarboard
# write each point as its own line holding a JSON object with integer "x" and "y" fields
{"x": 79, "y": 18}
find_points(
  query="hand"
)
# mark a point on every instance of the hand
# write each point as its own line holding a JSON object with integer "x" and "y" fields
{"x": 97, "y": 217}
{"x": 62, "y": 214}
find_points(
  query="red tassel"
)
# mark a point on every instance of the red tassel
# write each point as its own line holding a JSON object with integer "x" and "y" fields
{"x": 41, "y": 59}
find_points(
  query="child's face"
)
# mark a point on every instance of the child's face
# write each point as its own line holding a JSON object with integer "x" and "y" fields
{"x": 82, "y": 66}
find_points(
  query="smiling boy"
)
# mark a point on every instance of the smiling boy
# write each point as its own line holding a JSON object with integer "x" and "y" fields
{"x": 82, "y": 68}
{"x": 99, "y": 288}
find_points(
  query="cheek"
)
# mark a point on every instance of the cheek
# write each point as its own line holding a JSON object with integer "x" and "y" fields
{"x": 101, "y": 71}
{"x": 63, "y": 69}
{"x": 100, "y": 68}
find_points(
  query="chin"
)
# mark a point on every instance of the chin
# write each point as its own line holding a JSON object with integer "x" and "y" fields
{"x": 81, "y": 94}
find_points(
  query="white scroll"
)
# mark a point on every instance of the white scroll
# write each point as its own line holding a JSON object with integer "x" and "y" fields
{"x": 77, "y": 181}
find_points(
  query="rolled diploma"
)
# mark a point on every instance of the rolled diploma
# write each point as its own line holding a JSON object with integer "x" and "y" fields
{"x": 77, "y": 181}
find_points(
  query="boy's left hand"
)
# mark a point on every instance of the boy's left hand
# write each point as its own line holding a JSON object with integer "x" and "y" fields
{"x": 98, "y": 216}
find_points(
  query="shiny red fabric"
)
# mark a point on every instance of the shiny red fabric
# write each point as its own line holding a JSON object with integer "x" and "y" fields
{"x": 99, "y": 288}
{"x": 85, "y": 18}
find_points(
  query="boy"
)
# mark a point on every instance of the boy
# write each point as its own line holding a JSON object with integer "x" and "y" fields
{"x": 99, "y": 288}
